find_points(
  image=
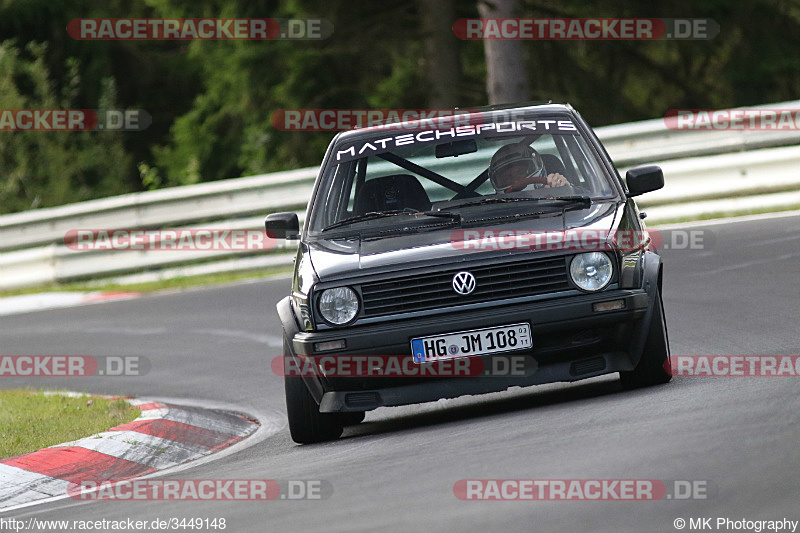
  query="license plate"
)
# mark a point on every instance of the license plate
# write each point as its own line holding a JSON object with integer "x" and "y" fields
{"x": 472, "y": 342}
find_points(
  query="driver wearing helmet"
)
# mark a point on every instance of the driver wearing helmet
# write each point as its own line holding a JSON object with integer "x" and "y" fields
{"x": 516, "y": 167}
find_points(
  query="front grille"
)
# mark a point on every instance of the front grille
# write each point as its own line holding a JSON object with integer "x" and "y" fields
{"x": 494, "y": 282}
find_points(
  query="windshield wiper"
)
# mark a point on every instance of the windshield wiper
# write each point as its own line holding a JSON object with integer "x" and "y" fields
{"x": 442, "y": 214}
{"x": 495, "y": 200}
{"x": 371, "y": 215}
{"x": 578, "y": 199}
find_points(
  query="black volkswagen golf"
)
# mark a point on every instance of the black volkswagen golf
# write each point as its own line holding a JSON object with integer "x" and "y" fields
{"x": 466, "y": 255}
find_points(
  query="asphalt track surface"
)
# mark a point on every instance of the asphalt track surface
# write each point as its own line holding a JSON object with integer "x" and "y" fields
{"x": 396, "y": 471}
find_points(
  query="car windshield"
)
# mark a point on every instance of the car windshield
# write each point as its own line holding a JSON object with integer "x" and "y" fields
{"x": 413, "y": 176}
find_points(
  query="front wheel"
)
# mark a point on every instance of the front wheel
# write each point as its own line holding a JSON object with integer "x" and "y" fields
{"x": 654, "y": 366}
{"x": 306, "y": 423}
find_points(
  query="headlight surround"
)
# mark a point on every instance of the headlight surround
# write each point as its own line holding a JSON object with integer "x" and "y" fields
{"x": 338, "y": 305}
{"x": 591, "y": 271}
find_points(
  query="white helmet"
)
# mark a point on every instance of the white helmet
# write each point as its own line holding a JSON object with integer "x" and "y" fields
{"x": 514, "y": 154}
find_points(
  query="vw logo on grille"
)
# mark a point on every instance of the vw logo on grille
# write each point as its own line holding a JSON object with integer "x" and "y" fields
{"x": 463, "y": 283}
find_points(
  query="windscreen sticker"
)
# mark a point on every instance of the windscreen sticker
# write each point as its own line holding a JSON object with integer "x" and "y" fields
{"x": 369, "y": 147}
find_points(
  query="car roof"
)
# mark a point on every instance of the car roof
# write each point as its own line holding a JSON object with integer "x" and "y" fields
{"x": 548, "y": 107}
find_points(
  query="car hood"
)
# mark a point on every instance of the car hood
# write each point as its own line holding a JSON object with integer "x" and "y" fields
{"x": 346, "y": 257}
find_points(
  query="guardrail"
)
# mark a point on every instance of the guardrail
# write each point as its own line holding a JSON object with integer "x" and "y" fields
{"x": 650, "y": 140}
{"x": 698, "y": 165}
{"x": 214, "y": 201}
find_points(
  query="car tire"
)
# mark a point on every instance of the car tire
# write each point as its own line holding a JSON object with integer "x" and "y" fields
{"x": 654, "y": 365}
{"x": 306, "y": 424}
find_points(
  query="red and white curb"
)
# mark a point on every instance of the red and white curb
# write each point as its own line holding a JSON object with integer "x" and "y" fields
{"x": 164, "y": 436}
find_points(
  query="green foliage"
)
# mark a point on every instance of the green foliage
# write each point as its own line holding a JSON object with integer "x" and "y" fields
{"x": 40, "y": 169}
{"x": 211, "y": 101}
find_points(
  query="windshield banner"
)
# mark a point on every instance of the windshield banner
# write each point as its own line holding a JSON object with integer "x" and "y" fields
{"x": 367, "y": 147}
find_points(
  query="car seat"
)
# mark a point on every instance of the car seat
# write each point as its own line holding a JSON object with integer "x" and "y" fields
{"x": 387, "y": 193}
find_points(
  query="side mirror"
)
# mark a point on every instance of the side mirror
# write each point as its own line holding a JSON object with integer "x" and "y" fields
{"x": 644, "y": 179}
{"x": 282, "y": 225}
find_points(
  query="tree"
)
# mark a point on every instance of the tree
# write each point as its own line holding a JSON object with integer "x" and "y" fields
{"x": 442, "y": 57}
{"x": 506, "y": 73}
{"x": 48, "y": 168}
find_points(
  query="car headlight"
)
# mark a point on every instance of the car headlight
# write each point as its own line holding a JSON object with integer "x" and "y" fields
{"x": 591, "y": 271}
{"x": 338, "y": 306}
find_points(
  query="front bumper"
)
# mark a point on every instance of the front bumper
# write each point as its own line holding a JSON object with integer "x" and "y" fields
{"x": 436, "y": 389}
{"x": 571, "y": 341}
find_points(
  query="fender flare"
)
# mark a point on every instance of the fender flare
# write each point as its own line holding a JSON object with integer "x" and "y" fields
{"x": 286, "y": 315}
{"x": 652, "y": 269}
{"x": 290, "y": 329}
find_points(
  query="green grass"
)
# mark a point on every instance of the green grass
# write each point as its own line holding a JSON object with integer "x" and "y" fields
{"x": 31, "y": 420}
{"x": 150, "y": 286}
